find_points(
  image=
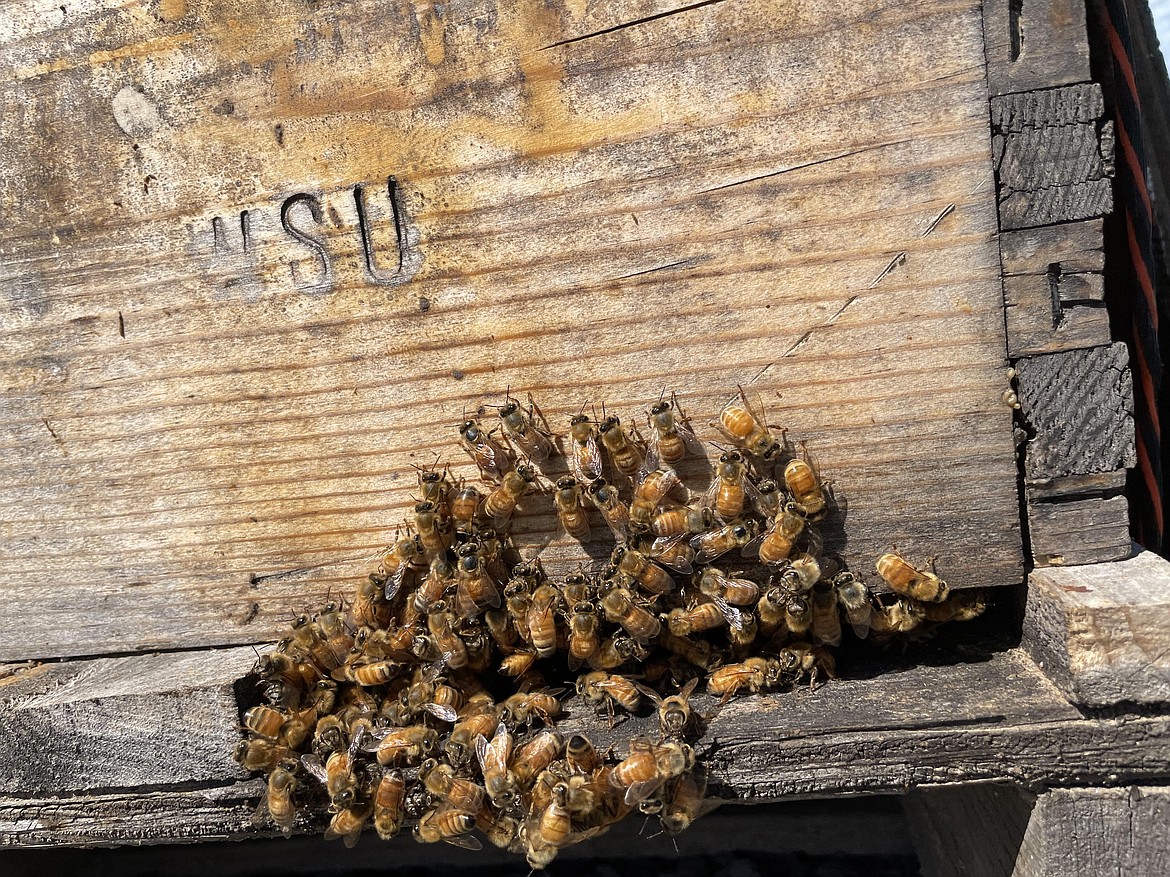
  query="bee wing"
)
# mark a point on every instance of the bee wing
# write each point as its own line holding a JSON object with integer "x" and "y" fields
{"x": 649, "y": 692}
{"x": 466, "y": 841}
{"x": 587, "y": 465}
{"x": 617, "y": 523}
{"x": 860, "y": 629}
{"x": 316, "y": 769}
{"x": 710, "y": 495}
{"x": 356, "y": 741}
{"x": 441, "y": 711}
{"x": 664, "y": 544}
{"x": 260, "y": 814}
{"x": 482, "y": 752}
{"x": 751, "y": 492}
{"x": 534, "y": 443}
{"x": 640, "y": 791}
{"x": 751, "y": 550}
{"x": 734, "y": 616}
{"x": 394, "y": 582}
{"x": 575, "y": 662}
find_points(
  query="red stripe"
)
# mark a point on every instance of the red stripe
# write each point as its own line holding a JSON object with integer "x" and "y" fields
{"x": 1151, "y": 486}
{"x": 1142, "y": 273}
{"x": 1122, "y": 59}
{"x": 1143, "y": 370}
{"x": 1135, "y": 165}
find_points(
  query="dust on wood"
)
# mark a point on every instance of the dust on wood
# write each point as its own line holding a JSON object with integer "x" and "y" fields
{"x": 213, "y": 272}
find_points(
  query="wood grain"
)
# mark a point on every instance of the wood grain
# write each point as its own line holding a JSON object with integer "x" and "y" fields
{"x": 968, "y": 830}
{"x": 1097, "y": 831}
{"x": 209, "y": 420}
{"x": 1034, "y": 44}
{"x": 1053, "y": 156}
{"x": 1102, "y": 632}
{"x": 993, "y": 718}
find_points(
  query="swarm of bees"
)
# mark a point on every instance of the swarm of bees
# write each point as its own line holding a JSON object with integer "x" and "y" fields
{"x": 433, "y": 695}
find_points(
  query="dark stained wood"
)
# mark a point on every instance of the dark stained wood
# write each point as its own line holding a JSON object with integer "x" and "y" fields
{"x": 1078, "y": 529}
{"x": 1035, "y": 44}
{"x": 1098, "y": 831}
{"x": 1102, "y": 632}
{"x": 1053, "y": 156}
{"x": 215, "y": 387}
{"x": 1078, "y": 409}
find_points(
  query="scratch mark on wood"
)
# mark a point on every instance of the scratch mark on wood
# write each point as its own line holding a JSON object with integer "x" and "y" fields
{"x": 947, "y": 211}
{"x": 899, "y": 259}
{"x": 637, "y": 21}
{"x": 56, "y": 438}
{"x": 121, "y": 325}
{"x": 686, "y": 263}
{"x": 797, "y": 167}
{"x": 829, "y": 322}
{"x": 254, "y": 580}
{"x": 252, "y": 613}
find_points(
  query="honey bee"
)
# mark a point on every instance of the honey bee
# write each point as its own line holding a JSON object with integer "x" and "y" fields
{"x": 520, "y": 709}
{"x": 959, "y": 606}
{"x": 782, "y": 534}
{"x": 603, "y": 689}
{"x": 571, "y": 508}
{"x": 332, "y": 640}
{"x": 715, "y": 543}
{"x": 685, "y": 801}
{"x": 623, "y": 450}
{"x": 495, "y": 760}
{"x": 582, "y": 755}
{"x": 697, "y": 653}
{"x": 522, "y": 430}
{"x": 903, "y": 578}
{"x": 738, "y": 592}
{"x": 769, "y": 498}
{"x": 477, "y": 722}
{"x": 649, "y": 575}
{"x": 439, "y": 578}
{"x": 501, "y": 502}
{"x": 649, "y": 766}
{"x": 459, "y": 793}
{"x": 577, "y": 589}
{"x": 407, "y": 553}
{"x": 376, "y": 673}
{"x": 432, "y": 528}
{"x": 801, "y": 659}
{"x": 754, "y": 675}
{"x": 517, "y": 663}
{"x": 396, "y": 747}
{"x": 586, "y": 451}
{"x": 264, "y": 721}
{"x": 492, "y": 459}
{"x": 518, "y": 601}
{"x": 336, "y": 775}
{"x": 674, "y": 552}
{"x": 615, "y": 512}
{"x": 682, "y": 520}
{"x": 696, "y": 618}
{"x": 261, "y": 754}
{"x": 854, "y": 598}
{"x": 621, "y": 609}
{"x": 441, "y": 624}
{"x": 542, "y": 621}
{"x": 800, "y": 573}
{"x": 826, "y": 619}
{"x": 669, "y": 435}
{"x": 348, "y": 822}
{"x": 499, "y": 625}
{"x": 770, "y": 610}
{"x": 584, "y": 627}
{"x": 901, "y": 616}
{"x": 370, "y": 608}
{"x": 475, "y": 590}
{"x": 499, "y": 828}
{"x": 805, "y": 487}
{"x": 730, "y": 489}
{"x": 550, "y": 829}
{"x": 536, "y": 755}
{"x": 676, "y": 719}
{"x": 650, "y": 490}
{"x": 739, "y": 423}
{"x": 465, "y": 506}
{"x": 447, "y": 824}
{"x": 277, "y": 802}
{"x": 389, "y": 801}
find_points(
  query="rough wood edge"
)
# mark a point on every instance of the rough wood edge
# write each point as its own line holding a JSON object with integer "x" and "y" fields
{"x": 1101, "y": 633}
{"x": 1037, "y": 44}
{"x": 1097, "y": 831}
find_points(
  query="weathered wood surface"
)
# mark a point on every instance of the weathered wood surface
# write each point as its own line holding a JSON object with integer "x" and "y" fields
{"x": 968, "y": 830}
{"x": 1053, "y": 288}
{"x": 1077, "y": 411}
{"x": 994, "y": 718}
{"x": 1033, "y": 44}
{"x": 1053, "y": 156}
{"x": 209, "y": 418}
{"x": 1098, "y": 831}
{"x": 1101, "y": 633}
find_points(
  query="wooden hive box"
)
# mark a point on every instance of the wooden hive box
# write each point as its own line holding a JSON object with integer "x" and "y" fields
{"x": 259, "y": 259}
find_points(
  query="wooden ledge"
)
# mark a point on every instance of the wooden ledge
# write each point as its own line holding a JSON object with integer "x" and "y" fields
{"x": 91, "y": 760}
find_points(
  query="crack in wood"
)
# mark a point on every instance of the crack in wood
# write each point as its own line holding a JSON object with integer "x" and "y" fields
{"x": 634, "y": 23}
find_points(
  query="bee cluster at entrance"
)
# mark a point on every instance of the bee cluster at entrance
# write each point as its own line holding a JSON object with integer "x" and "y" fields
{"x": 432, "y": 694}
